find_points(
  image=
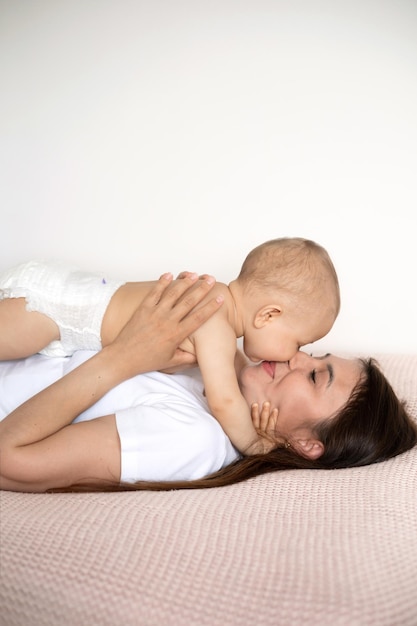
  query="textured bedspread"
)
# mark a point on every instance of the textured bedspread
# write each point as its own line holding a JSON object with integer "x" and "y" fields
{"x": 321, "y": 548}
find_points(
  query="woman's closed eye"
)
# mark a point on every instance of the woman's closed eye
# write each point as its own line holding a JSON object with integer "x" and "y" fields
{"x": 316, "y": 376}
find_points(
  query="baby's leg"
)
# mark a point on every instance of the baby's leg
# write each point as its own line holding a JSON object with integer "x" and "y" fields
{"x": 23, "y": 332}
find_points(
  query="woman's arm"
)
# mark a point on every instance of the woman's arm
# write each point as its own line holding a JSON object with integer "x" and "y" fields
{"x": 39, "y": 446}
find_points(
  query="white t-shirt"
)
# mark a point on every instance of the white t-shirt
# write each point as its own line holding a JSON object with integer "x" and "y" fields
{"x": 166, "y": 431}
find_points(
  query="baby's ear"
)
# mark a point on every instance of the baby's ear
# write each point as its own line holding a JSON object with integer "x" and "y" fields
{"x": 309, "y": 448}
{"x": 267, "y": 314}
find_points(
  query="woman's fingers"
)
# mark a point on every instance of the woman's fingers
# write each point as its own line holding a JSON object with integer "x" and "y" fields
{"x": 178, "y": 299}
{"x": 186, "y": 273}
{"x": 184, "y": 294}
{"x": 151, "y": 338}
{"x": 195, "y": 319}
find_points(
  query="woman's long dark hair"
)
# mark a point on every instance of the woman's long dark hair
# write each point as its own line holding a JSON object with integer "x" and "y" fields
{"x": 373, "y": 426}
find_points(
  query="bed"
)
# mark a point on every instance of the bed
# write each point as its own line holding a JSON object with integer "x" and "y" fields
{"x": 325, "y": 548}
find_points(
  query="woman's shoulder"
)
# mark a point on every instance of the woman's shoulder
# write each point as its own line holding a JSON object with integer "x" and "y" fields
{"x": 170, "y": 434}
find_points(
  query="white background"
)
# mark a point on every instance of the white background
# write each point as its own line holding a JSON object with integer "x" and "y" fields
{"x": 144, "y": 136}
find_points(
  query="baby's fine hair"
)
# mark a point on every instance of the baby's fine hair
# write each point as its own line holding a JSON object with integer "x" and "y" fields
{"x": 293, "y": 264}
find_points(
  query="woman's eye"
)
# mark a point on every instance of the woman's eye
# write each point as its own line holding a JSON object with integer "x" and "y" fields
{"x": 313, "y": 376}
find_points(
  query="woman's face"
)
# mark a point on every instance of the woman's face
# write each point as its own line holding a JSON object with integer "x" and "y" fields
{"x": 305, "y": 390}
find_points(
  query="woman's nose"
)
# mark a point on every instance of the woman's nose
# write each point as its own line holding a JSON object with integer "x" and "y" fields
{"x": 299, "y": 358}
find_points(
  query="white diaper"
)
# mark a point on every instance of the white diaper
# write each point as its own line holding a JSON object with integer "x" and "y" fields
{"x": 74, "y": 299}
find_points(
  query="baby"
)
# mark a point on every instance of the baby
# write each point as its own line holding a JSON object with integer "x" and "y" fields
{"x": 285, "y": 296}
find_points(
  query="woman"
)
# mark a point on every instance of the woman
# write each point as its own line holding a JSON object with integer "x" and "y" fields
{"x": 325, "y": 412}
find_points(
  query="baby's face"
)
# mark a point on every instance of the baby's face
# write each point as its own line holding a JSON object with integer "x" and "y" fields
{"x": 283, "y": 335}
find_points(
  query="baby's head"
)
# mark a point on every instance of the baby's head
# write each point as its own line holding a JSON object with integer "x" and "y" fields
{"x": 290, "y": 290}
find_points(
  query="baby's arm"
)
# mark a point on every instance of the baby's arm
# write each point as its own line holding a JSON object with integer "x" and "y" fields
{"x": 215, "y": 345}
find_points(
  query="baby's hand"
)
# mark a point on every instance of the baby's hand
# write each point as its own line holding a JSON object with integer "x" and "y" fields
{"x": 265, "y": 423}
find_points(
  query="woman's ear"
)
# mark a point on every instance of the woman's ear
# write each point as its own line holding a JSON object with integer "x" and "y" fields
{"x": 309, "y": 448}
{"x": 267, "y": 314}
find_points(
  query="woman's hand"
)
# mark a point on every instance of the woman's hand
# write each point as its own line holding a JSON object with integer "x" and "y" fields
{"x": 150, "y": 339}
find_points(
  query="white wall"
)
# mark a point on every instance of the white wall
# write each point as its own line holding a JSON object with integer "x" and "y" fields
{"x": 144, "y": 136}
